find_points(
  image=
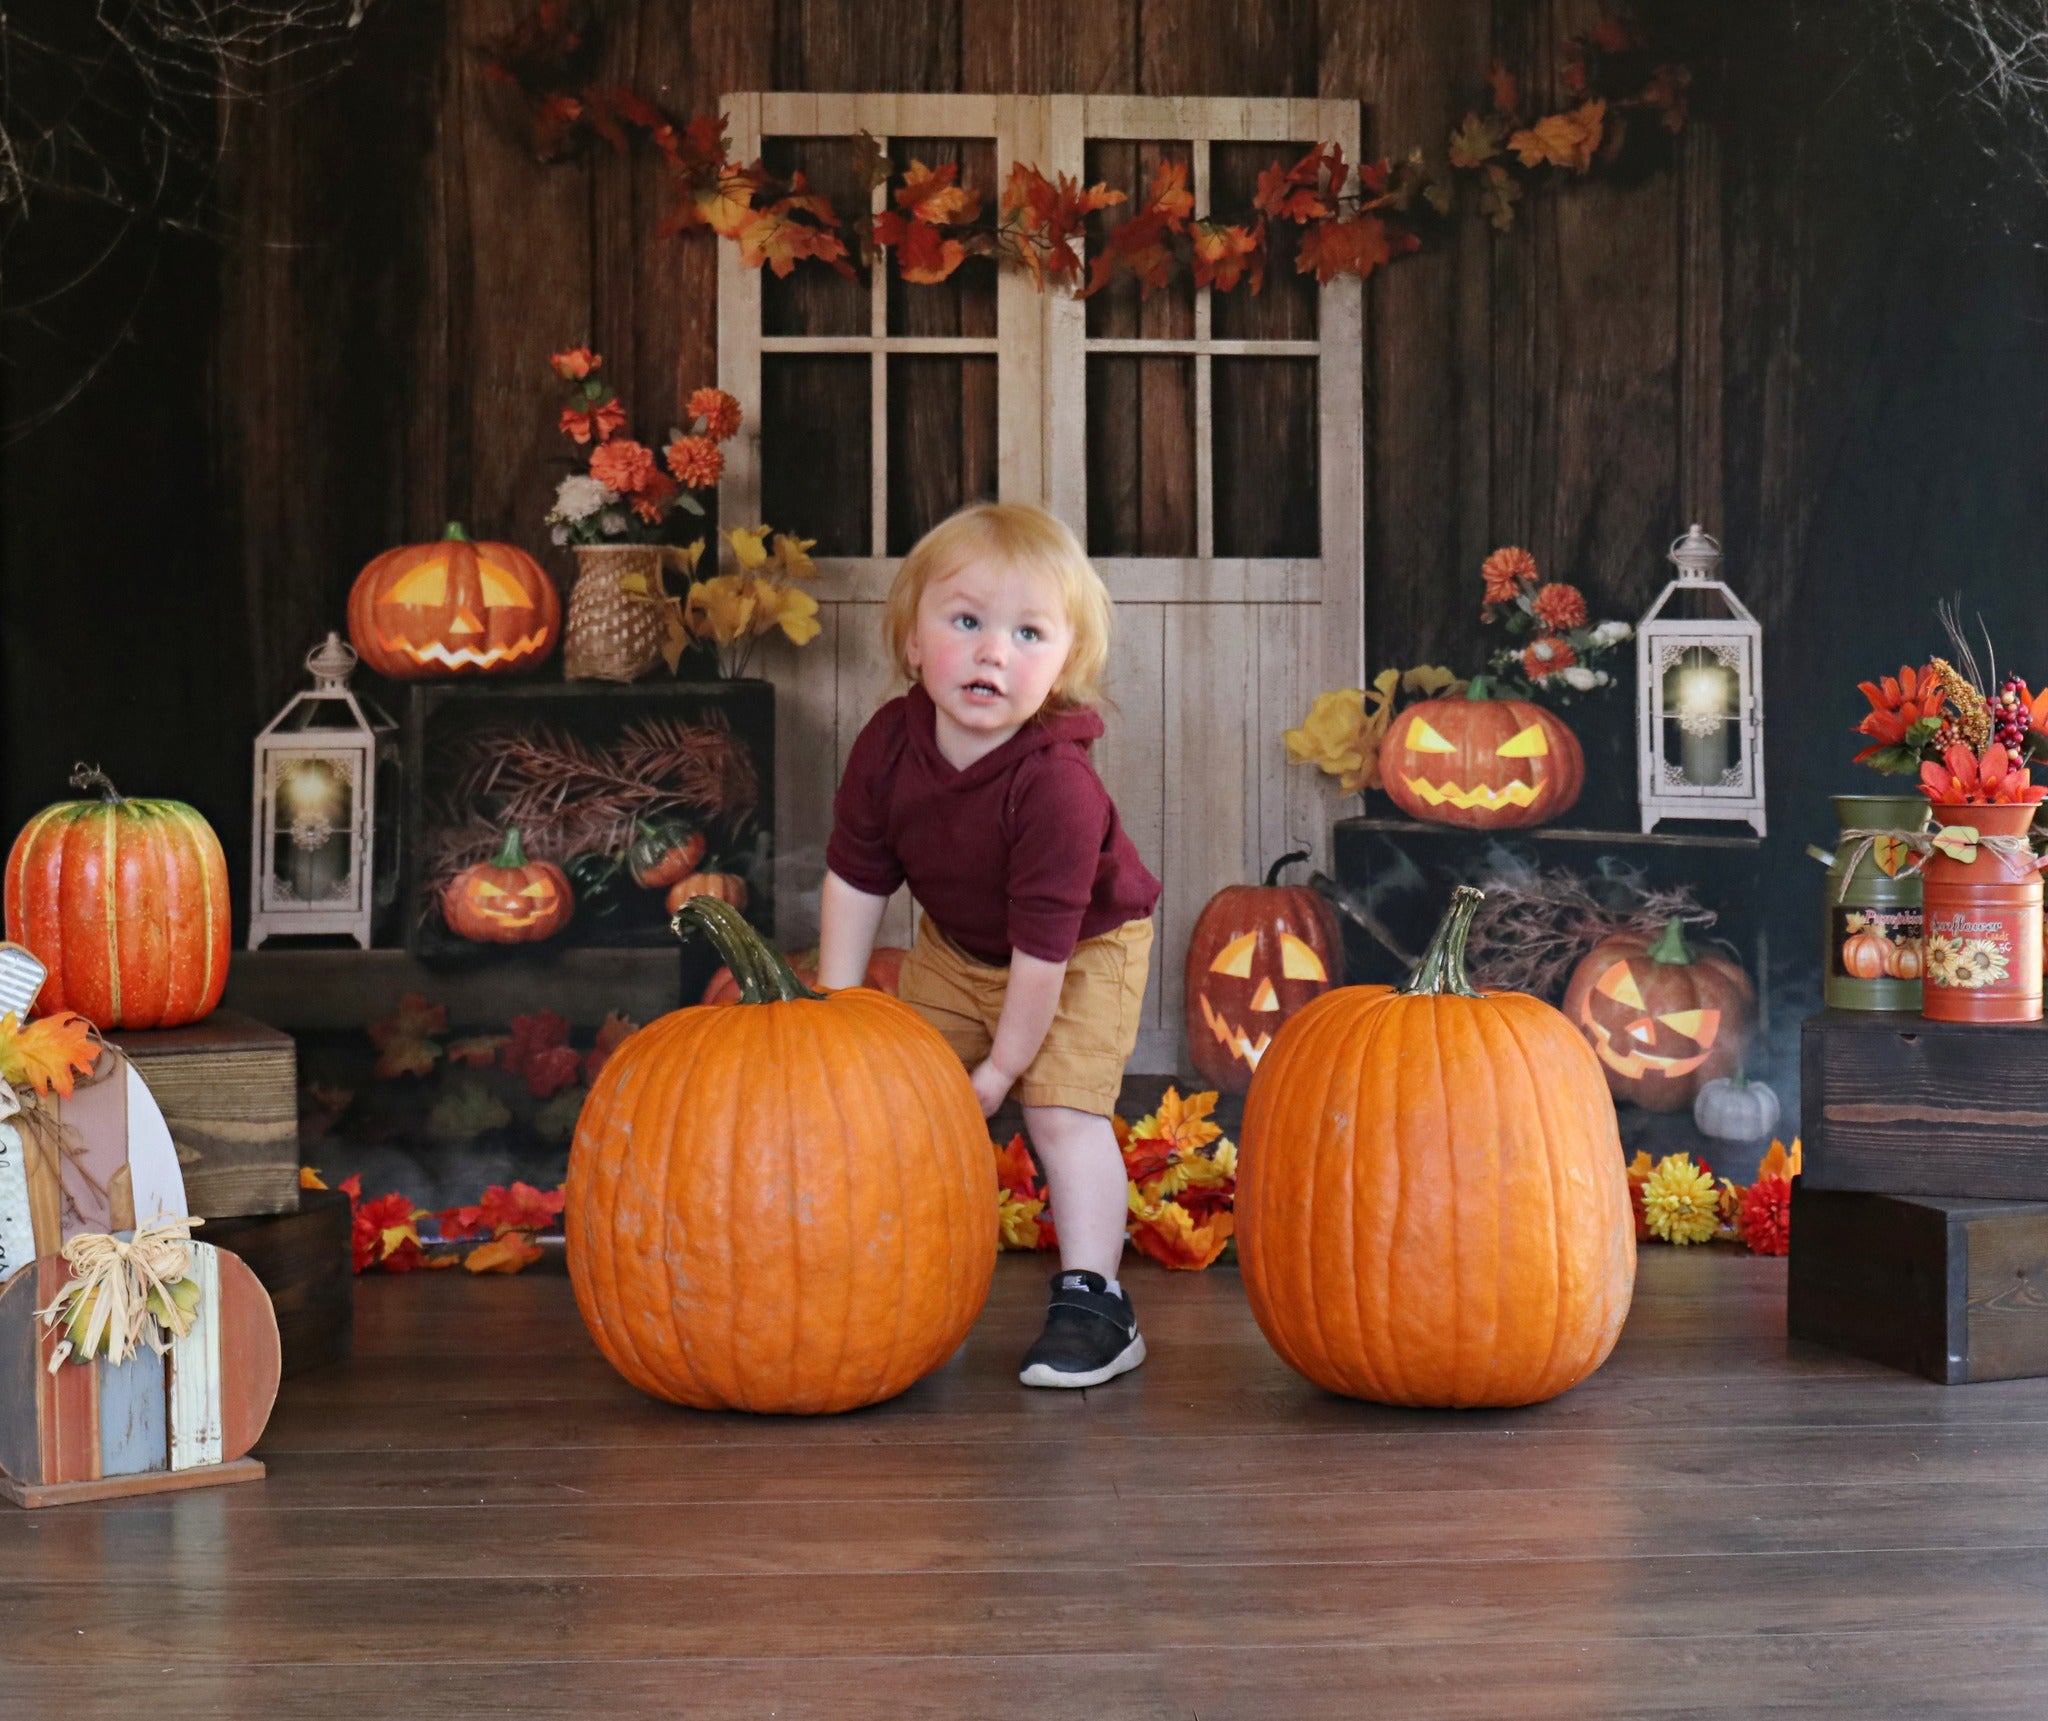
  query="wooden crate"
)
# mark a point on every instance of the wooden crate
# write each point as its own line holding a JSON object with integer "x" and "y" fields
{"x": 1898, "y": 1105}
{"x": 228, "y": 1087}
{"x": 1956, "y": 1290}
{"x": 303, "y": 1260}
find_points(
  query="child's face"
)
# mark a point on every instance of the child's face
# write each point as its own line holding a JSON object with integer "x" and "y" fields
{"x": 989, "y": 644}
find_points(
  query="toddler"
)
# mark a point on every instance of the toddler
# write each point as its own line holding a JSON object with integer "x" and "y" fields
{"x": 1036, "y": 930}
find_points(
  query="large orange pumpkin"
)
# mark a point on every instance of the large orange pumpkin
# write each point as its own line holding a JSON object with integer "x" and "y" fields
{"x": 126, "y": 903}
{"x": 784, "y": 1204}
{"x": 453, "y": 608}
{"x": 1663, "y": 1018}
{"x": 1431, "y": 1202}
{"x": 1485, "y": 764}
{"x": 1258, "y": 953}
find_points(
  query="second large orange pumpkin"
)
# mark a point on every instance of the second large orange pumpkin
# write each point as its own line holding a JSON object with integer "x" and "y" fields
{"x": 784, "y": 1204}
{"x": 1485, "y": 764}
{"x": 1431, "y": 1202}
{"x": 455, "y": 607}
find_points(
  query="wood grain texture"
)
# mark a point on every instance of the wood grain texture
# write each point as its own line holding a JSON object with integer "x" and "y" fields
{"x": 1861, "y": 1541}
{"x": 303, "y": 1262}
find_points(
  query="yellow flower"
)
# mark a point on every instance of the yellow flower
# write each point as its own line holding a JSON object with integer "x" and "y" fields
{"x": 1342, "y": 732}
{"x": 749, "y": 545}
{"x": 1209, "y": 1170}
{"x": 794, "y": 611}
{"x": 1681, "y": 1203}
{"x": 794, "y": 554}
{"x": 721, "y": 609}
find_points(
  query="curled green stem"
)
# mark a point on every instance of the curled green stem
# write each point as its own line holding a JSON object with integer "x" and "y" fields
{"x": 758, "y": 968}
{"x": 1442, "y": 968}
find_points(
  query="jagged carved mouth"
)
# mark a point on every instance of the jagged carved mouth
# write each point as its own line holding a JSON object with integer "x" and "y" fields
{"x": 465, "y": 656}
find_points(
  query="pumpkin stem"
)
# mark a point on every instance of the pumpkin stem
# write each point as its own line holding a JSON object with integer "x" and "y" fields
{"x": 513, "y": 854}
{"x": 1273, "y": 871}
{"x": 1442, "y": 968}
{"x": 763, "y": 976}
{"x": 454, "y": 534}
{"x": 1671, "y": 948}
{"x": 84, "y": 776}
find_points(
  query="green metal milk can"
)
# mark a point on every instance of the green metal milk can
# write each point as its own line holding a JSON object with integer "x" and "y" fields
{"x": 1872, "y": 924}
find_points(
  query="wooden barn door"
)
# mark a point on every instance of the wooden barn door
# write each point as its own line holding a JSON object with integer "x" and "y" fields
{"x": 1210, "y": 448}
{"x": 1209, "y": 454}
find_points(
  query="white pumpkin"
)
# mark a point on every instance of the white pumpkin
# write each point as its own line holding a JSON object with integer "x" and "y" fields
{"x": 1735, "y": 1109}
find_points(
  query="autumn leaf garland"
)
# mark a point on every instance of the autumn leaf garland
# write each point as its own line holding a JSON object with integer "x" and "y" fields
{"x": 1626, "y": 105}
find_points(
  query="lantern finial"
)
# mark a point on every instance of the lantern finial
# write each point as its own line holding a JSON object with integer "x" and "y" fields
{"x": 1697, "y": 555}
{"x": 331, "y": 662}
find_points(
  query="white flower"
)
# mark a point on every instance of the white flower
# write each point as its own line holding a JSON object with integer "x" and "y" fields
{"x": 560, "y": 535}
{"x": 1543, "y": 651}
{"x": 580, "y": 496}
{"x": 612, "y": 522}
{"x": 1611, "y": 633}
{"x": 1580, "y": 678}
{"x": 1601, "y": 678}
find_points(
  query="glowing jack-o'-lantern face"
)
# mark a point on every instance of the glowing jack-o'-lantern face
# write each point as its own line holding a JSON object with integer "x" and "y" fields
{"x": 1662, "y": 1018}
{"x": 453, "y": 608}
{"x": 508, "y": 899}
{"x": 1481, "y": 763}
{"x": 1257, "y": 955}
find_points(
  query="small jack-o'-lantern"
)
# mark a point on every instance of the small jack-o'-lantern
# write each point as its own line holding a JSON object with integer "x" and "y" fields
{"x": 453, "y": 608}
{"x": 508, "y": 899}
{"x": 1485, "y": 764}
{"x": 1663, "y": 1018}
{"x": 1258, "y": 954}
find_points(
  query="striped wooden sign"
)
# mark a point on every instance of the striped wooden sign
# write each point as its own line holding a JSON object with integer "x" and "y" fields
{"x": 199, "y": 1408}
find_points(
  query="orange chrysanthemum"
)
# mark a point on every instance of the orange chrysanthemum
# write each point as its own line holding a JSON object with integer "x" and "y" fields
{"x": 650, "y": 501}
{"x": 719, "y": 411}
{"x": 1560, "y": 608}
{"x": 599, "y": 423}
{"x": 575, "y": 364}
{"x": 1766, "y": 1218}
{"x": 623, "y": 465}
{"x": 1506, "y": 572}
{"x": 696, "y": 460}
{"x": 1546, "y": 657}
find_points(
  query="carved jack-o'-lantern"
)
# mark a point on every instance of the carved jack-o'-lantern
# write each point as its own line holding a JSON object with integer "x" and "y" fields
{"x": 1663, "y": 1018}
{"x": 1258, "y": 954}
{"x": 453, "y": 608}
{"x": 1485, "y": 764}
{"x": 508, "y": 899}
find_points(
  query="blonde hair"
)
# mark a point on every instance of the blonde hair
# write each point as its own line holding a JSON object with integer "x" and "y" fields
{"x": 1030, "y": 540}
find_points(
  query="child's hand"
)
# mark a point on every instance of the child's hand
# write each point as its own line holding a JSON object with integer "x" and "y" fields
{"x": 991, "y": 1086}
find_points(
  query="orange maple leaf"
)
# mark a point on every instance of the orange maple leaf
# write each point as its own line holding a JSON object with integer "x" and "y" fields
{"x": 922, "y": 254}
{"x": 610, "y": 1037}
{"x": 1507, "y": 94}
{"x": 1170, "y": 194}
{"x": 1017, "y": 1171}
{"x": 933, "y": 196}
{"x": 1222, "y": 255}
{"x": 403, "y": 1038}
{"x": 512, "y": 1253}
{"x": 774, "y": 239}
{"x": 479, "y": 1051}
{"x": 1170, "y": 1235}
{"x": 1357, "y": 246}
{"x": 1476, "y": 140}
{"x": 1565, "y": 140}
{"x": 49, "y": 1052}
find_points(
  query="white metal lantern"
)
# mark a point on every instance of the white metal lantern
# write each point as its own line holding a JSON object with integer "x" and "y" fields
{"x": 323, "y": 766}
{"x": 1700, "y": 697}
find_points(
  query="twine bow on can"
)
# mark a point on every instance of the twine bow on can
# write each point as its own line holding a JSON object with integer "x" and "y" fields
{"x": 113, "y": 1281}
{"x": 1899, "y": 853}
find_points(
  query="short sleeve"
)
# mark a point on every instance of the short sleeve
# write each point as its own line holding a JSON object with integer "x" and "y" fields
{"x": 859, "y": 850}
{"x": 1062, "y": 818}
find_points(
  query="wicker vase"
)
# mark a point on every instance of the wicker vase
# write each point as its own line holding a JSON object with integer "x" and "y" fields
{"x": 611, "y": 635}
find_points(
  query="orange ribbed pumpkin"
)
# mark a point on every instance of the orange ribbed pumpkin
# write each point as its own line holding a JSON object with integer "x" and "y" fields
{"x": 454, "y": 607}
{"x": 785, "y": 1204}
{"x": 126, "y": 903}
{"x": 1431, "y": 1203}
{"x": 1483, "y": 763}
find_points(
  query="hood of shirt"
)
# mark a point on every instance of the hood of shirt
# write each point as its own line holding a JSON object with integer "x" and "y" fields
{"x": 1078, "y": 724}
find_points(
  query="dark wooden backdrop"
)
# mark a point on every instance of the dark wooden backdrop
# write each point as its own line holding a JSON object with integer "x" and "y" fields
{"x": 1823, "y": 334}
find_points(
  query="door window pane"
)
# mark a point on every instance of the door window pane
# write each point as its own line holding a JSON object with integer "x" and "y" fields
{"x": 942, "y": 440}
{"x": 1284, "y": 309}
{"x": 813, "y": 299}
{"x": 1121, "y": 311}
{"x": 965, "y": 302}
{"x": 815, "y": 449}
{"x": 1266, "y": 457}
{"x": 1141, "y": 455}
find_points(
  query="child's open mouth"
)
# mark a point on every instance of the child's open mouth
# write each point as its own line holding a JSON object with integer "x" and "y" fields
{"x": 983, "y": 690}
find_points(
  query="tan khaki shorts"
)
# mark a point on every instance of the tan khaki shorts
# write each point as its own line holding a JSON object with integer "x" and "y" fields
{"x": 1081, "y": 1062}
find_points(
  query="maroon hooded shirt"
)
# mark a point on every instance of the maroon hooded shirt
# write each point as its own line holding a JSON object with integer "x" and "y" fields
{"x": 1022, "y": 850}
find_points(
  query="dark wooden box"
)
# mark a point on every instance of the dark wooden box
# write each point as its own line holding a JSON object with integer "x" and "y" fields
{"x": 304, "y": 1261}
{"x": 445, "y": 721}
{"x": 228, "y": 1087}
{"x": 1897, "y": 1105}
{"x": 1955, "y": 1290}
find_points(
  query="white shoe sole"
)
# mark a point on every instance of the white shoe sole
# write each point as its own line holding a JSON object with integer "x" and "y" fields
{"x": 1043, "y": 1374}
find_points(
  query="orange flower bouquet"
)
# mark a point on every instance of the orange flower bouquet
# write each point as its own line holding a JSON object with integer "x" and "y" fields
{"x": 1564, "y": 646}
{"x": 625, "y": 494}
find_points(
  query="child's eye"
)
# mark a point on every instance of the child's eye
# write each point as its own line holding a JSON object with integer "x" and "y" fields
{"x": 966, "y": 621}
{"x": 1029, "y": 635}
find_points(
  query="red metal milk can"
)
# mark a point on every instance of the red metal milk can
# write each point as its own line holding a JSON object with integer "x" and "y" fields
{"x": 1983, "y": 922}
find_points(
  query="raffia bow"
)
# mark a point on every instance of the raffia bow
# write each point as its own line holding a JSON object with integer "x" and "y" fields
{"x": 1903, "y": 853}
{"x": 113, "y": 1280}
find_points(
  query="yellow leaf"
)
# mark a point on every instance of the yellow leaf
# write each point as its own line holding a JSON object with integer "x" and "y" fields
{"x": 511, "y": 1253}
{"x": 46, "y": 1053}
{"x": 309, "y": 1178}
{"x": 720, "y": 609}
{"x": 794, "y": 611}
{"x": 727, "y": 206}
{"x": 749, "y": 545}
{"x": 1432, "y": 681}
{"x": 1564, "y": 140}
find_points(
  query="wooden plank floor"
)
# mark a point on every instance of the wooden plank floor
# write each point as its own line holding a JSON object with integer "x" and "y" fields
{"x": 475, "y": 1517}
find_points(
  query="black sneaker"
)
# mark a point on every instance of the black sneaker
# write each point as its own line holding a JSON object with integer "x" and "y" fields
{"x": 1090, "y": 1335}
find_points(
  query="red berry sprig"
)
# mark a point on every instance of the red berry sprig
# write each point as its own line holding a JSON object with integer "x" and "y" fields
{"x": 2009, "y": 716}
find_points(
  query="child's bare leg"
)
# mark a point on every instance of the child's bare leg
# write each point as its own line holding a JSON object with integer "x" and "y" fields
{"x": 1084, "y": 1174}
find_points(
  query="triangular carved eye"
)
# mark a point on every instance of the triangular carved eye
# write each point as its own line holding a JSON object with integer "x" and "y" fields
{"x": 426, "y": 584}
{"x": 1618, "y": 983}
{"x": 1265, "y": 999}
{"x": 1531, "y": 743}
{"x": 1235, "y": 958}
{"x": 539, "y": 887}
{"x": 500, "y": 592}
{"x": 1423, "y": 739}
{"x": 1298, "y": 961}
